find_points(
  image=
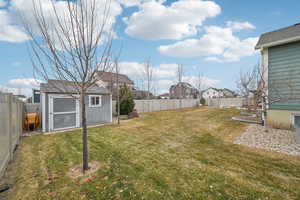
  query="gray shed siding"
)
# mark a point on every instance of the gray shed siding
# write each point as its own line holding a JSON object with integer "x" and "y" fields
{"x": 99, "y": 115}
{"x": 95, "y": 115}
{"x": 284, "y": 76}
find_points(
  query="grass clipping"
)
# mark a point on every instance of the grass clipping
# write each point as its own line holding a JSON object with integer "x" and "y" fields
{"x": 77, "y": 172}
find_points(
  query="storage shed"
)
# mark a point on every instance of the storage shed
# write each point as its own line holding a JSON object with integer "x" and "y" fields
{"x": 61, "y": 108}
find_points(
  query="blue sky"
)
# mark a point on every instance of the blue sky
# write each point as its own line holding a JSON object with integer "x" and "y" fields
{"x": 216, "y": 39}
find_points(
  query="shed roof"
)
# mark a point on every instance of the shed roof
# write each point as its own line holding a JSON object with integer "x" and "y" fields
{"x": 280, "y": 36}
{"x": 69, "y": 87}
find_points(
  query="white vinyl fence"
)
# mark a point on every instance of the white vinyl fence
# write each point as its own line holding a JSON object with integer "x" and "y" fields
{"x": 226, "y": 102}
{"x": 11, "y": 118}
{"x": 161, "y": 104}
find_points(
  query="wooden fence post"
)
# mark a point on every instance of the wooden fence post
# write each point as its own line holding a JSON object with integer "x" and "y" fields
{"x": 9, "y": 99}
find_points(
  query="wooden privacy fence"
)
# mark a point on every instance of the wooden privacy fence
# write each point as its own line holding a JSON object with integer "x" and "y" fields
{"x": 161, "y": 104}
{"x": 11, "y": 118}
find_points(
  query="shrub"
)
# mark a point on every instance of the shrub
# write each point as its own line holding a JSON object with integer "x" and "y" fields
{"x": 202, "y": 101}
{"x": 126, "y": 101}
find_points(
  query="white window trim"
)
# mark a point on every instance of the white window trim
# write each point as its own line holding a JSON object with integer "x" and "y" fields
{"x": 293, "y": 115}
{"x": 100, "y": 101}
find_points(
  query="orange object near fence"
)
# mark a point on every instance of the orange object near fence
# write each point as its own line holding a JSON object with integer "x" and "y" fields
{"x": 31, "y": 122}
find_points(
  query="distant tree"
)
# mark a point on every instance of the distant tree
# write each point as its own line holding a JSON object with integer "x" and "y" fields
{"x": 179, "y": 76}
{"x": 202, "y": 101}
{"x": 148, "y": 72}
{"x": 126, "y": 101}
{"x": 247, "y": 82}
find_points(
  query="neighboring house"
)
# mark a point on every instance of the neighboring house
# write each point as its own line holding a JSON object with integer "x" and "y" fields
{"x": 36, "y": 96}
{"x": 227, "y": 93}
{"x": 62, "y": 111}
{"x": 183, "y": 90}
{"x": 141, "y": 94}
{"x": 280, "y": 52}
{"x": 109, "y": 81}
{"x": 211, "y": 93}
{"x": 164, "y": 96}
{"x": 21, "y": 97}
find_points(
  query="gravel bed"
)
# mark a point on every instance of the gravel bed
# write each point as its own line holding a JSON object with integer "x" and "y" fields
{"x": 282, "y": 141}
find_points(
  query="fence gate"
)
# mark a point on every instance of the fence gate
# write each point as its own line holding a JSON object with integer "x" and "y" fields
{"x": 64, "y": 112}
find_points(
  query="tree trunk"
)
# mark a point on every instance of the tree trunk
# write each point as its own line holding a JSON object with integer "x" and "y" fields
{"x": 264, "y": 114}
{"x": 85, "y": 153}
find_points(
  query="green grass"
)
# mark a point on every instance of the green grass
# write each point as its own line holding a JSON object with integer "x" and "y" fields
{"x": 183, "y": 154}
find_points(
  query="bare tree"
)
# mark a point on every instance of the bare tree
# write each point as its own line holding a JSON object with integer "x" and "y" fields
{"x": 148, "y": 77}
{"x": 199, "y": 83}
{"x": 117, "y": 71}
{"x": 247, "y": 83}
{"x": 273, "y": 91}
{"x": 179, "y": 76}
{"x": 72, "y": 46}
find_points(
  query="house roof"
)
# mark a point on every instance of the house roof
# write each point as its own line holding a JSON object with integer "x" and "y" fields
{"x": 110, "y": 76}
{"x": 61, "y": 86}
{"x": 280, "y": 36}
{"x": 220, "y": 90}
{"x": 164, "y": 95}
{"x": 183, "y": 84}
{"x": 216, "y": 89}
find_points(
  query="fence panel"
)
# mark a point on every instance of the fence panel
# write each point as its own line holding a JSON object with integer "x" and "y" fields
{"x": 225, "y": 102}
{"x": 160, "y": 104}
{"x": 11, "y": 119}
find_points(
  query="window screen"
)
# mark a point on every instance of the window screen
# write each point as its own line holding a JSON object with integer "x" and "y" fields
{"x": 64, "y": 105}
{"x": 95, "y": 101}
{"x": 64, "y": 120}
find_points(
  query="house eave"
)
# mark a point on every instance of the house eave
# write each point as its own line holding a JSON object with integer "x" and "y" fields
{"x": 277, "y": 43}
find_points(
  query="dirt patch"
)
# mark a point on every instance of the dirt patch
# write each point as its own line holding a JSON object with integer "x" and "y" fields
{"x": 76, "y": 171}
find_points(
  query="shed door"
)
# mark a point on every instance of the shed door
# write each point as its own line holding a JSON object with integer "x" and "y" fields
{"x": 297, "y": 127}
{"x": 64, "y": 113}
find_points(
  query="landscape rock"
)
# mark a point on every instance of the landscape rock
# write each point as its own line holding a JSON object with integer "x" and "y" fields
{"x": 281, "y": 141}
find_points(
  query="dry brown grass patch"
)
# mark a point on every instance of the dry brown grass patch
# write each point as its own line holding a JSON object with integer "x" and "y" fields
{"x": 77, "y": 172}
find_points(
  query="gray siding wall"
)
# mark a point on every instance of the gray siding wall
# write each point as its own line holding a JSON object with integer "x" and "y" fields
{"x": 99, "y": 115}
{"x": 95, "y": 115}
{"x": 284, "y": 76}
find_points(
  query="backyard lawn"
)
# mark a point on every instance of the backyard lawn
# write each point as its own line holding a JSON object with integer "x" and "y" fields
{"x": 182, "y": 154}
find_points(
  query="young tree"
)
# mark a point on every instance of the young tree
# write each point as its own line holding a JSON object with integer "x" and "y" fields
{"x": 73, "y": 45}
{"x": 199, "y": 83}
{"x": 126, "y": 104}
{"x": 148, "y": 77}
{"x": 272, "y": 91}
{"x": 247, "y": 82}
{"x": 179, "y": 76}
{"x": 117, "y": 68}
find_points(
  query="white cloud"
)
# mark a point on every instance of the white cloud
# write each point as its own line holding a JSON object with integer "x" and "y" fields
{"x": 154, "y": 21}
{"x": 20, "y": 86}
{"x": 10, "y": 25}
{"x": 3, "y": 3}
{"x": 217, "y": 44}
{"x": 130, "y": 3}
{"x": 205, "y": 81}
{"x": 164, "y": 75}
{"x": 8, "y": 31}
{"x": 237, "y": 26}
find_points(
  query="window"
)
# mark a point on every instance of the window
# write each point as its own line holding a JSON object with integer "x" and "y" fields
{"x": 95, "y": 101}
